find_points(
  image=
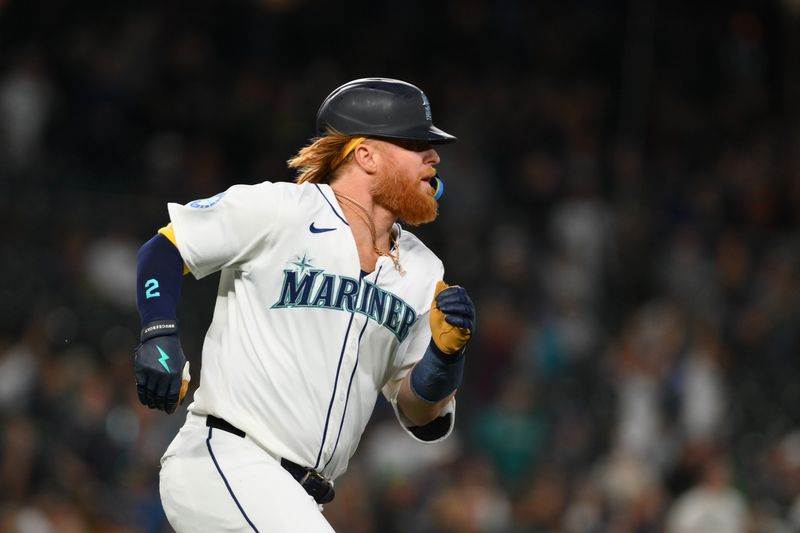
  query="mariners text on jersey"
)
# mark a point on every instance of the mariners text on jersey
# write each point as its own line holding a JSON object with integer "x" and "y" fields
{"x": 327, "y": 291}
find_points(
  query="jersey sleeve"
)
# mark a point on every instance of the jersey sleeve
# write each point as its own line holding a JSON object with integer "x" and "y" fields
{"x": 408, "y": 353}
{"x": 227, "y": 229}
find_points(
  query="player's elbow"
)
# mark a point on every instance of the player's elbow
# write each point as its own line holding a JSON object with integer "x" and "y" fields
{"x": 418, "y": 411}
{"x": 424, "y": 417}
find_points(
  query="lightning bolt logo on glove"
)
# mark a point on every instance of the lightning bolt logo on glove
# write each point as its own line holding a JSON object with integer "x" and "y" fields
{"x": 452, "y": 318}
{"x": 164, "y": 357}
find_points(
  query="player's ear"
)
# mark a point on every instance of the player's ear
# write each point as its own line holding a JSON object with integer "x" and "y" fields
{"x": 366, "y": 156}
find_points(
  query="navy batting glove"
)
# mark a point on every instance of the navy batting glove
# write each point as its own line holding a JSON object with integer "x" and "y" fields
{"x": 159, "y": 366}
{"x": 457, "y": 307}
{"x": 452, "y": 318}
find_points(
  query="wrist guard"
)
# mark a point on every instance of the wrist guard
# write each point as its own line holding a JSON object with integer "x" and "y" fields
{"x": 437, "y": 374}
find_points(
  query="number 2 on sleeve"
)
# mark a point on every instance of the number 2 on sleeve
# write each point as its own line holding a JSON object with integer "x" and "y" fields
{"x": 151, "y": 285}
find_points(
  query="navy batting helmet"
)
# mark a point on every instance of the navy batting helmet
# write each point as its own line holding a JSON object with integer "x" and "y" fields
{"x": 380, "y": 107}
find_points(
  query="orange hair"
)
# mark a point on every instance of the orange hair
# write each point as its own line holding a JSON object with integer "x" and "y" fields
{"x": 318, "y": 161}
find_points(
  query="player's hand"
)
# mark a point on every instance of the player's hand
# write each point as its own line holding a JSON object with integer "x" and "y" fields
{"x": 160, "y": 368}
{"x": 452, "y": 318}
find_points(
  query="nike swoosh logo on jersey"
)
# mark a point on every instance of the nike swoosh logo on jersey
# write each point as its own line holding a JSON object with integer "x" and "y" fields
{"x": 313, "y": 229}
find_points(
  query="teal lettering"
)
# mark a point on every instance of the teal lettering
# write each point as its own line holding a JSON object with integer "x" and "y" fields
{"x": 362, "y": 306}
{"x": 393, "y": 317}
{"x": 377, "y": 305}
{"x": 294, "y": 293}
{"x": 409, "y": 317}
{"x": 385, "y": 308}
{"x": 325, "y": 292}
{"x": 348, "y": 292}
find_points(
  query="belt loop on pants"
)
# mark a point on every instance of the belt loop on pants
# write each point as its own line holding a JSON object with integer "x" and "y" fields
{"x": 312, "y": 481}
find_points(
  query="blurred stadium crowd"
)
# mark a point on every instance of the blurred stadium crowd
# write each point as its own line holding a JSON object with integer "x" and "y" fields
{"x": 623, "y": 205}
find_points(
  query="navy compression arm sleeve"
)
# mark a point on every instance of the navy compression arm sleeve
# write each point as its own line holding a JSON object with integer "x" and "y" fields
{"x": 159, "y": 274}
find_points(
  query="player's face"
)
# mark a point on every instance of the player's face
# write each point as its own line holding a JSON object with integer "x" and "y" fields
{"x": 404, "y": 184}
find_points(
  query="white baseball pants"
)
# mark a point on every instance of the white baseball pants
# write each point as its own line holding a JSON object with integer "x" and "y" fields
{"x": 212, "y": 480}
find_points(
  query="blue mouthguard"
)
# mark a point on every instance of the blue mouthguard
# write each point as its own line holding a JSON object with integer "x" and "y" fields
{"x": 438, "y": 187}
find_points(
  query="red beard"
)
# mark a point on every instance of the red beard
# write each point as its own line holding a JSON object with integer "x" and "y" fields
{"x": 402, "y": 196}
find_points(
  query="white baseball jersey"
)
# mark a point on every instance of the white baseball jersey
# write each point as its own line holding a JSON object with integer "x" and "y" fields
{"x": 301, "y": 342}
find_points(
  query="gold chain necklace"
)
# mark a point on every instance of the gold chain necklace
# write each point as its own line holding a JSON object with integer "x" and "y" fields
{"x": 364, "y": 215}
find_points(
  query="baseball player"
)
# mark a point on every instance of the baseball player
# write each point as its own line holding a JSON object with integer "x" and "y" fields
{"x": 324, "y": 301}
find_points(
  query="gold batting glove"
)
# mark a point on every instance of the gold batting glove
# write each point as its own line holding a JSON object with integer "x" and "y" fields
{"x": 452, "y": 318}
{"x": 186, "y": 377}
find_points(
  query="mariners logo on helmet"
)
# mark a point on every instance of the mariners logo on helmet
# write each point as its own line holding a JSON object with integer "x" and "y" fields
{"x": 427, "y": 107}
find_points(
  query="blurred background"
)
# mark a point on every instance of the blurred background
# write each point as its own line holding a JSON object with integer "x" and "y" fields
{"x": 622, "y": 205}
